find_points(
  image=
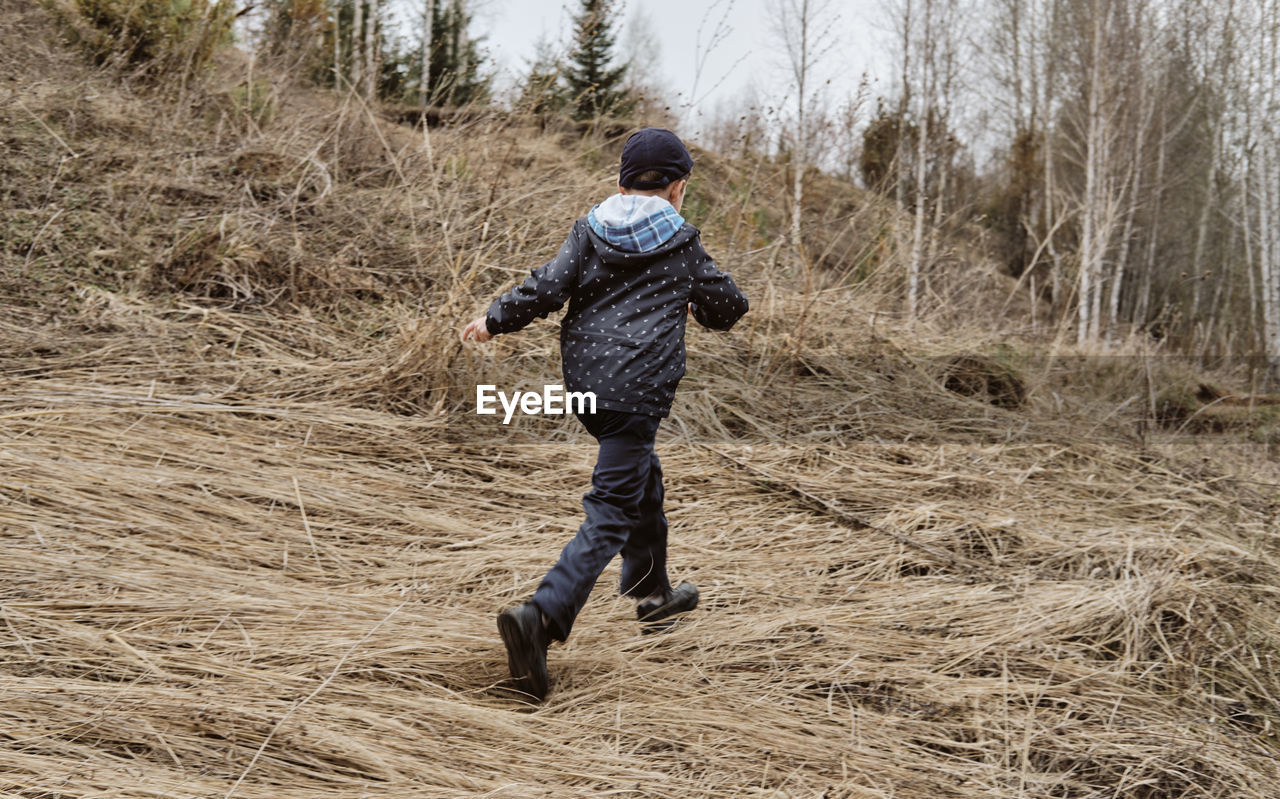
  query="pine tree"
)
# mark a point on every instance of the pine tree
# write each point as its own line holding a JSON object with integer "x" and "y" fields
{"x": 542, "y": 92}
{"x": 455, "y": 77}
{"x": 594, "y": 87}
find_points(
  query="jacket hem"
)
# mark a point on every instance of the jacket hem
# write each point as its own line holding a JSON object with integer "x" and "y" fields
{"x": 641, "y": 408}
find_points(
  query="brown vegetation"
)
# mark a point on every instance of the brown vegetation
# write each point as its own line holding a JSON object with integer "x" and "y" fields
{"x": 254, "y": 539}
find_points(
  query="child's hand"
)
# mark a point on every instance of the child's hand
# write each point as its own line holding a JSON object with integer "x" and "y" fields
{"x": 476, "y": 329}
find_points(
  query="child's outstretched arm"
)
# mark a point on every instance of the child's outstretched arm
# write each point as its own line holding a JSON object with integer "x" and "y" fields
{"x": 545, "y": 290}
{"x": 716, "y": 301}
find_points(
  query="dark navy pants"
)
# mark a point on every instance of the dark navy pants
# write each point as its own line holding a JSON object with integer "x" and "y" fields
{"x": 624, "y": 514}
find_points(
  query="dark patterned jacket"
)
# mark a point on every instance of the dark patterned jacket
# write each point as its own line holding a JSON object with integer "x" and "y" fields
{"x": 623, "y": 335}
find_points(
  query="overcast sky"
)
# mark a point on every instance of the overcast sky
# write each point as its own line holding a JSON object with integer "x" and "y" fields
{"x": 749, "y": 56}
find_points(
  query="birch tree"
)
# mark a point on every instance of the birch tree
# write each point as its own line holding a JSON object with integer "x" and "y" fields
{"x": 1143, "y": 100}
{"x": 1263, "y": 90}
{"x": 336, "y": 13}
{"x": 931, "y": 39}
{"x": 371, "y": 61}
{"x": 905, "y": 33}
{"x": 806, "y": 30}
{"x": 1144, "y": 161}
{"x": 357, "y": 50}
{"x": 1092, "y": 233}
{"x": 1047, "y": 103}
{"x": 1102, "y": 32}
{"x": 926, "y": 85}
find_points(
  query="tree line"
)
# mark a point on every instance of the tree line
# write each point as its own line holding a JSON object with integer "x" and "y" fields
{"x": 349, "y": 44}
{"x": 1131, "y": 156}
{"x": 1122, "y": 157}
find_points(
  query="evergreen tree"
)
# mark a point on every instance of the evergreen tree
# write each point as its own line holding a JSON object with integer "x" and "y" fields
{"x": 542, "y": 92}
{"x": 594, "y": 87}
{"x": 885, "y": 140}
{"x": 355, "y": 27}
{"x": 455, "y": 61}
{"x": 455, "y": 57}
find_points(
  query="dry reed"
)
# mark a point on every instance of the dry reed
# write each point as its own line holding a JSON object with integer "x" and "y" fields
{"x": 254, "y": 537}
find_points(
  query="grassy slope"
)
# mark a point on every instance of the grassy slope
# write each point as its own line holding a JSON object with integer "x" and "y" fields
{"x": 253, "y": 538}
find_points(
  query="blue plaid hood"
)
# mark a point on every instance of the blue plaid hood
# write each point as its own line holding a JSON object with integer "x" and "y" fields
{"x": 635, "y": 222}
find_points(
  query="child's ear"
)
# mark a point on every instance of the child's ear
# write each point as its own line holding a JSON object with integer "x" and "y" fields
{"x": 675, "y": 192}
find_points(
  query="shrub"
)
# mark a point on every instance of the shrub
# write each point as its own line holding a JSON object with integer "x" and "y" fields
{"x": 155, "y": 36}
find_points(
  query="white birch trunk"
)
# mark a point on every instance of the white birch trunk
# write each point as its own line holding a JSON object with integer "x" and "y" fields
{"x": 1102, "y": 238}
{"x": 357, "y": 51}
{"x": 939, "y": 205}
{"x": 944, "y": 85}
{"x": 1134, "y": 200}
{"x": 1056, "y": 300}
{"x": 1266, "y": 275}
{"x": 1255, "y": 303}
{"x": 899, "y": 156}
{"x": 337, "y": 46}
{"x": 900, "y": 151}
{"x": 1090, "y": 251}
{"x": 1269, "y": 193}
{"x": 1270, "y": 255}
{"x": 806, "y": 31}
{"x": 371, "y": 66}
{"x": 917, "y": 234}
{"x": 1084, "y": 293}
{"x": 1202, "y": 232}
{"x": 1126, "y": 243}
{"x": 922, "y": 153}
{"x": 800, "y": 154}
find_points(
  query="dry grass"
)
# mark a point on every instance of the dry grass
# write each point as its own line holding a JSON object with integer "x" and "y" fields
{"x": 254, "y": 539}
{"x": 261, "y": 596}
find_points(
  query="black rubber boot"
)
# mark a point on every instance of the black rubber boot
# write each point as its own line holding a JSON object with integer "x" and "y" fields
{"x": 526, "y": 639}
{"x": 655, "y": 615}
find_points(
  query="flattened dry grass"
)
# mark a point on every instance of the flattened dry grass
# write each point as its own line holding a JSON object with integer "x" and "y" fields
{"x": 253, "y": 538}
{"x": 220, "y": 579}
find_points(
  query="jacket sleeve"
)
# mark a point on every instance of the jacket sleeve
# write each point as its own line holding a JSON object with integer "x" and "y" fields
{"x": 545, "y": 290}
{"x": 717, "y": 301}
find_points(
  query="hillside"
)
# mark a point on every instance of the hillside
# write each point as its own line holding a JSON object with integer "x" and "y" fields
{"x": 253, "y": 536}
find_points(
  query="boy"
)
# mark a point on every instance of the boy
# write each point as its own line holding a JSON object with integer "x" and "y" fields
{"x": 628, "y": 270}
